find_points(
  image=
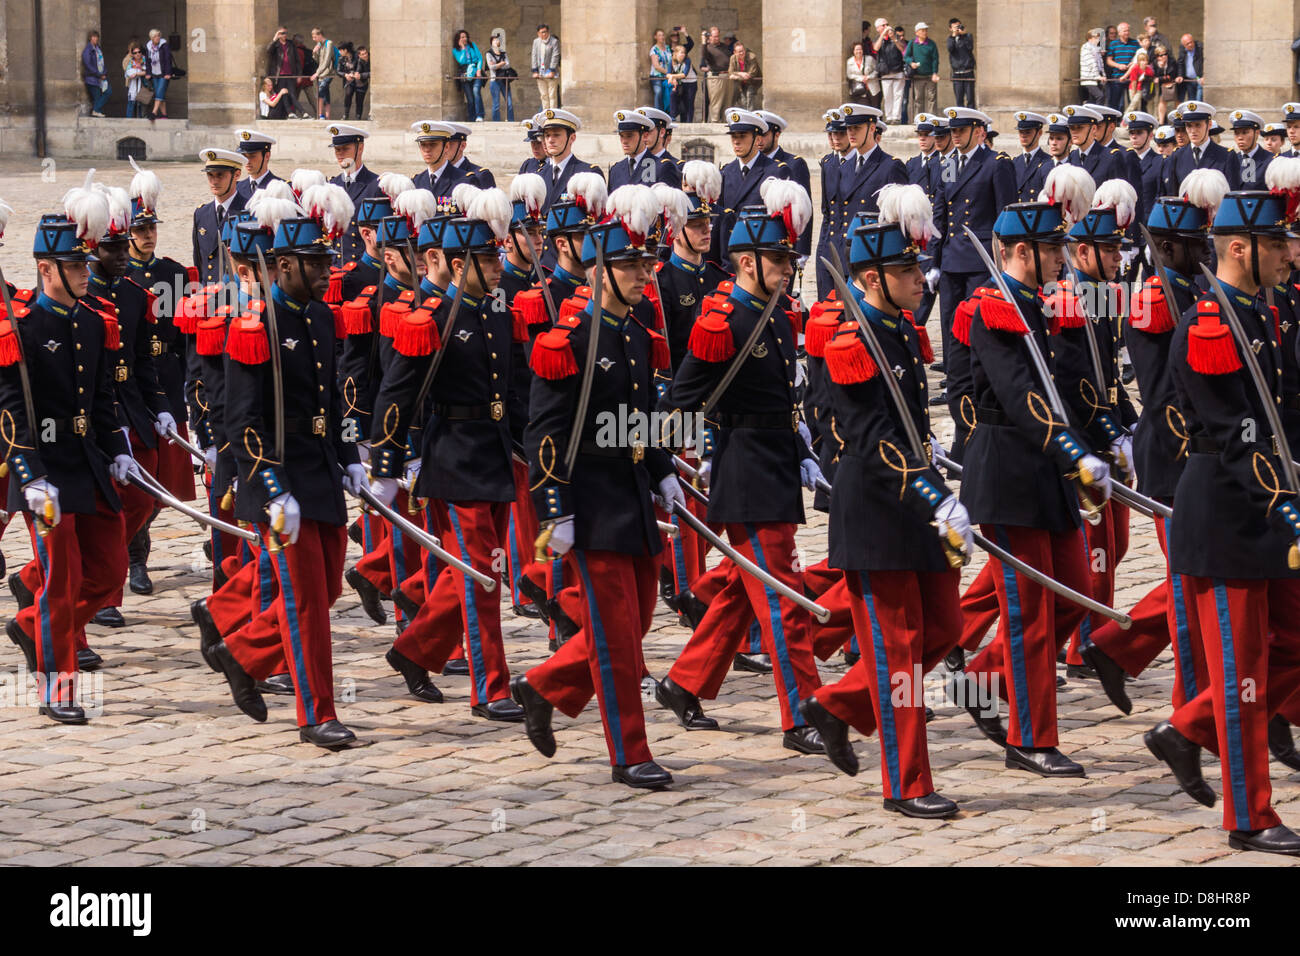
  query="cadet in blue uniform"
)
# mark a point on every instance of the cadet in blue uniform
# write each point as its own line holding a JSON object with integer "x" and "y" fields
{"x": 367, "y": 269}
{"x": 559, "y": 129}
{"x": 1034, "y": 162}
{"x": 223, "y": 168}
{"x": 864, "y": 170}
{"x": 838, "y": 138}
{"x": 1291, "y": 120}
{"x": 256, "y": 147}
{"x": 926, "y": 171}
{"x": 436, "y": 149}
{"x": 1100, "y": 162}
{"x": 480, "y": 176}
{"x": 669, "y": 169}
{"x": 1200, "y": 152}
{"x": 349, "y": 144}
{"x": 533, "y": 137}
{"x": 770, "y": 145}
{"x": 635, "y": 131}
{"x": 743, "y": 176}
{"x": 687, "y": 277}
{"x": 1248, "y": 163}
{"x": 1141, "y": 133}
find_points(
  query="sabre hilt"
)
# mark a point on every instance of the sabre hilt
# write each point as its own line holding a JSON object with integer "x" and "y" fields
{"x": 542, "y": 543}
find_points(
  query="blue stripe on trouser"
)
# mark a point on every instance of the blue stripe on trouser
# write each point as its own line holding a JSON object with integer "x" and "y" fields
{"x": 1016, "y": 646}
{"x": 264, "y": 575}
{"x": 515, "y": 566}
{"x": 43, "y": 607}
{"x": 1085, "y": 623}
{"x": 679, "y": 556}
{"x": 472, "y": 631}
{"x": 778, "y": 632}
{"x": 1183, "y": 635}
{"x": 214, "y": 508}
{"x": 755, "y": 637}
{"x": 432, "y": 566}
{"x": 295, "y": 639}
{"x": 853, "y": 643}
{"x": 399, "y": 561}
{"x": 1235, "y": 758}
{"x": 884, "y": 697}
{"x": 599, "y": 642}
{"x": 367, "y": 543}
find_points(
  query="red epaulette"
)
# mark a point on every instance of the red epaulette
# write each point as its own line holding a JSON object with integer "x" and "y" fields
{"x": 1000, "y": 315}
{"x": 334, "y": 294}
{"x": 10, "y": 349}
{"x": 724, "y": 288}
{"x": 340, "y": 326}
{"x": 922, "y": 338}
{"x": 1063, "y": 309}
{"x": 652, "y": 293}
{"x": 1210, "y": 349}
{"x": 247, "y": 341}
{"x": 661, "y": 357}
{"x": 149, "y": 298}
{"x": 392, "y": 313}
{"x": 552, "y": 356}
{"x": 415, "y": 332}
{"x": 528, "y": 309}
{"x": 24, "y": 295}
{"x": 194, "y": 307}
{"x": 351, "y": 265}
{"x": 711, "y": 338}
{"x": 112, "y": 331}
{"x": 356, "y": 314}
{"x": 1150, "y": 312}
{"x": 210, "y": 339}
{"x": 823, "y": 319}
{"x": 847, "y": 359}
{"x": 192, "y": 274}
{"x": 575, "y": 303}
{"x": 962, "y": 316}
{"x": 659, "y": 266}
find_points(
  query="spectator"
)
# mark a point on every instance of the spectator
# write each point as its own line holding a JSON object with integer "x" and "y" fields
{"x": 864, "y": 81}
{"x": 681, "y": 36}
{"x": 545, "y": 65}
{"x": 889, "y": 62}
{"x": 356, "y": 82}
{"x": 503, "y": 76}
{"x": 273, "y": 102}
{"x": 1156, "y": 38}
{"x": 1092, "y": 69}
{"x": 683, "y": 81}
{"x": 94, "y": 75}
{"x": 469, "y": 66}
{"x": 1119, "y": 55}
{"x": 922, "y": 55}
{"x": 1141, "y": 84}
{"x": 745, "y": 75}
{"x": 901, "y": 42}
{"x": 304, "y": 83}
{"x": 717, "y": 85}
{"x": 327, "y": 55}
{"x": 661, "y": 58}
{"x": 961, "y": 61}
{"x": 159, "y": 56}
{"x": 1191, "y": 69}
{"x": 282, "y": 66}
{"x": 1166, "y": 83}
{"x": 136, "y": 73}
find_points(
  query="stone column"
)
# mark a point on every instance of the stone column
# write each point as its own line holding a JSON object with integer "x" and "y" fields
{"x": 230, "y": 61}
{"x": 1248, "y": 56}
{"x": 65, "y": 27}
{"x": 803, "y": 54}
{"x": 1011, "y": 74}
{"x": 604, "y": 57}
{"x": 410, "y": 43}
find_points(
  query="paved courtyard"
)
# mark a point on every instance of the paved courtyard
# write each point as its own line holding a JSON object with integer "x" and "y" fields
{"x": 171, "y": 772}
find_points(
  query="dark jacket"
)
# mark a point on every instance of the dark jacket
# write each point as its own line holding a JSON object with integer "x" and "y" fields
{"x": 961, "y": 53}
{"x": 205, "y": 238}
{"x": 1197, "y": 57}
{"x": 131, "y": 367}
{"x": 169, "y": 346}
{"x": 365, "y": 184}
{"x": 741, "y": 190}
{"x": 683, "y": 286}
{"x": 974, "y": 198}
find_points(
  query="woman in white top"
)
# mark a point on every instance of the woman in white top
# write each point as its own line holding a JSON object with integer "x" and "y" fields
{"x": 864, "y": 79}
{"x": 272, "y": 100}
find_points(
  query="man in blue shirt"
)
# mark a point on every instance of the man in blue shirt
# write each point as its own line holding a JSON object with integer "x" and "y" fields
{"x": 1119, "y": 54}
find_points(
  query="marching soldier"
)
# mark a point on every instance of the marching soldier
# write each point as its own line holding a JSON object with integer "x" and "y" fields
{"x": 669, "y": 169}
{"x": 559, "y": 129}
{"x": 1141, "y": 133}
{"x": 1100, "y": 162}
{"x": 770, "y": 144}
{"x": 635, "y": 131}
{"x": 349, "y": 145}
{"x": 864, "y": 171}
{"x": 1199, "y": 153}
{"x": 1033, "y": 164}
{"x": 533, "y": 137}
{"x": 436, "y": 150}
{"x": 1248, "y": 163}
{"x": 742, "y": 177}
{"x": 838, "y": 138}
{"x": 223, "y": 168}
{"x": 369, "y": 268}
{"x": 687, "y": 277}
{"x": 256, "y": 149}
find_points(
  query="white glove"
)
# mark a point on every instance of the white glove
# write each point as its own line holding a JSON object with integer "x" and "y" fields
{"x": 804, "y": 433}
{"x": 562, "y": 535}
{"x": 412, "y": 472}
{"x": 705, "y": 471}
{"x": 210, "y": 458}
{"x": 937, "y": 451}
{"x": 385, "y": 489}
{"x": 932, "y": 279}
{"x": 354, "y": 479}
{"x": 669, "y": 491}
{"x": 123, "y": 466}
{"x": 800, "y": 263}
{"x": 952, "y": 516}
{"x": 363, "y": 451}
{"x": 286, "y": 506}
{"x": 1127, "y": 256}
{"x": 164, "y": 424}
{"x": 1122, "y": 450}
{"x": 809, "y": 474}
{"x": 37, "y": 493}
{"x": 1098, "y": 474}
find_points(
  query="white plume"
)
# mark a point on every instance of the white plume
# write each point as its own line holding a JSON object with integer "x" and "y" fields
{"x": 88, "y": 208}
{"x": 785, "y": 197}
{"x": 331, "y": 206}
{"x": 303, "y": 179}
{"x": 270, "y": 211}
{"x": 703, "y": 179}
{"x": 6, "y": 211}
{"x": 1117, "y": 194}
{"x": 279, "y": 189}
{"x": 637, "y": 208}
{"x": 1283, "y": 174}
{"x": 393, "y": 185}
{"x": 1205, "y": 189}
{"x": 145, "y": 186}
{"x": 530, "y": 189}
{"x": 417, "y": 205}
{"x": 590, "y": 193}
{"x": 910, "y": 208}
{"x": 675, "y": 206}
{"x": 493, "y": 207}
{"x": 1071, "y": 188}
{"x": 119, "y": 208}
{"x": 462, "y": 194}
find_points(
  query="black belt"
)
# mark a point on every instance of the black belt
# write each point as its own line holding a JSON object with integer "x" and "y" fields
{"x": 1204, "y": 445}
{"x": 121, "y": 373}
{"x": 157, "y": 347}
{"x": 494, "y": 411}
{"x": 80, "y": 425}
{"x": 314, "y": 426}
{"x": 783, "y": 421}
{"x": 992, "y": 416}
{"x": 1292, "y": 404}
{"x": 592, "y": 449}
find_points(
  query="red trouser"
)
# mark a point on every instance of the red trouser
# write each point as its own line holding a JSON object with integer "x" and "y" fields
{"x": 1033, "y": 624}
{"x": 604, "y": 658}
{"x": 224, "y": 545}
{"x": 523, "y": 532}
{"x": 685, "y": 553}
{"x": 477, "y": 533}
{"x": 246, "y": 593}
{"x": 707, "y": 657}
{"x": 979, "y": 608}
{"x": 175, "y": 467}
{"x": 1251, "y": 637}
{"x": 80, "y": 562}
{"x": 829, "y": 587}
{"x": 296, "y": 627}
{"x": 907, "y": 618}
{"x": 137, "y": 505}
{"x": 1105, "y": 545}
{"x": 376, "y": 564}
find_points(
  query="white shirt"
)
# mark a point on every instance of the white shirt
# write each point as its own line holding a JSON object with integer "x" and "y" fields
{"x": 350, "y": 177}
{"x": 557, "y": 168}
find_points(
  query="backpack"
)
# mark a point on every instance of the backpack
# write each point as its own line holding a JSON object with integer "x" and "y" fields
{"x": 337, "y": 55}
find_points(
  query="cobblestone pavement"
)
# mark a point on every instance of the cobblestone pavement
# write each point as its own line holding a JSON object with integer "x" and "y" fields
{"x": 173, "y": 773}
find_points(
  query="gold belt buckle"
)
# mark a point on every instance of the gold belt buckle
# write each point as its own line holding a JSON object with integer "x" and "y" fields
{"x": 79, "y": 425}
{"x": 155, "y": 348}
{"x": 318, "y": 425}
{"x": 498, "y": 411}
{"x": 794, "y": 419}
{"x": 1112, "y": 396}
{"x": 638, "y": 452}
{"x": 121, "y": 373}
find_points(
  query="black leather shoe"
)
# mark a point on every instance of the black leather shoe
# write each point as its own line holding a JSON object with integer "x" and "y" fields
{"x": 108, "y": 617}
{"x": 354, "y": 532}
{"x": 243, "y": 689}
{"x": 667, "y": 587}
{"x": 1280, "y": 743}
{"x": 1060, "y": 655}
{"x": 529, "y": 589}
{"x": 1060, "y": 680}
{"x": 1183, "y": 757}
{"x": 88, "y": 660}
{"x": 331, "y": 735}
{"x": 24, "y": 597}
{"x": 990, "y": 725}
{"x": 938, "y": 367}
{"x": 219, "y": 578}
{"x": 1079, "y": 672}
{"x": 690, "y": 609}
{"x": 687, "y": 707}
{"x": 504, "y": 709}
{"x": 805, "y": 740}
{"x": 138, "y": 581}
{"x": 207, "y": 549}
{"x": 851, "y": 658}
{"x": 929, "y": 807}
{"x": 834, "y": 734}
{"x": 527, "y": 610}
{"x": 956, "y": 660}
{"x": 24, "y": 643}
{"x": 457, "y": 667}
{"x": 1128, "y": 374}
{"x": 939, "y": 398}
{"x": 1111, "y": 676}
{"x": 537, "y": 715}
{"x": 753, "y": 663}
{"x": 369, "y": 594}
{"x": 418, "y": 684}
{"x": 402, "y": 602}
{"x": 63, "y": 713}
{"x": 279, "y": 684}
{"x": 930, "y": 715}
{"x": 565, "y": 626}
{"x": 209, "y": 635}
{"x": 1044, "y": 761}
{"x": 1278, "y": 839}
{"x": 642, "y": 776}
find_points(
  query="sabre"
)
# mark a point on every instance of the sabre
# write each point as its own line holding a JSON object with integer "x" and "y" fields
{"x": 541, "y": 275}
{"x": 444, "y": 333}
{"x": 734, "y": 368}
{"x": 277, "y": 381}
{"x": 589, "y": 369}
{"x": 146, "y": 483}
{"x": 175, "y": 438}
